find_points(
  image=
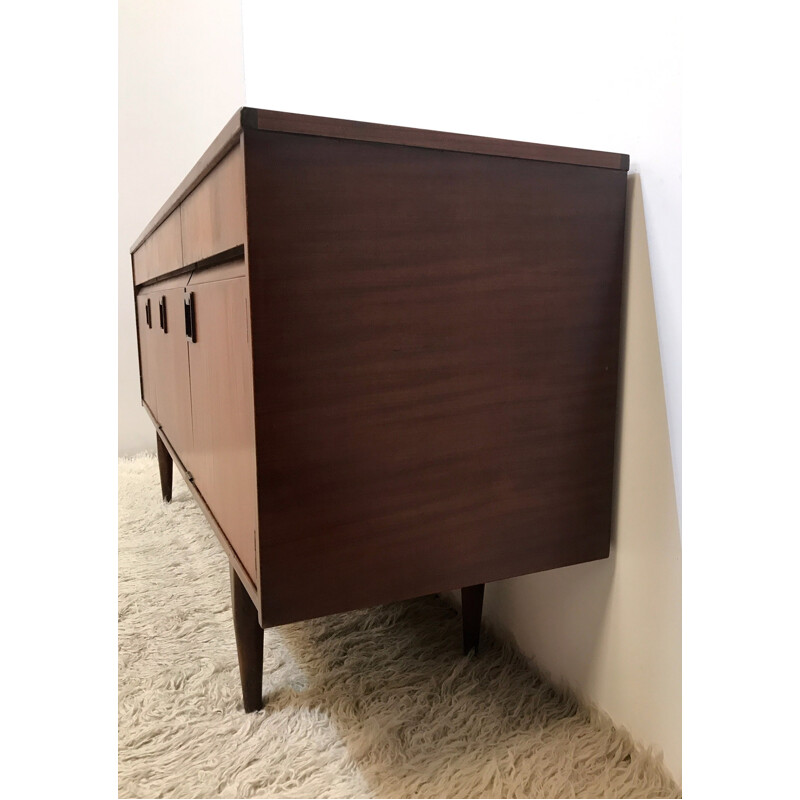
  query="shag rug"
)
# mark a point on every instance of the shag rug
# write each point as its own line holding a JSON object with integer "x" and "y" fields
{"x": 373, "y": 703}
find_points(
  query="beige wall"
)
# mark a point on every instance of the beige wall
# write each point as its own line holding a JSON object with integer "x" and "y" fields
{"x": 612, "y": 629}
{"x": 181, "y": 77}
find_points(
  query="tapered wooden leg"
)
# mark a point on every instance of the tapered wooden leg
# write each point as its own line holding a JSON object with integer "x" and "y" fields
{"x": 249, "y": 644}
{"x": 164, "y": 469}
{"x": 471, "y": 608}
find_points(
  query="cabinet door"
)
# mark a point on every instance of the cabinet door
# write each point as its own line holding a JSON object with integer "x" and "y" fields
{"x": 172, "y": 370}
{"x": 220, "y": 366}
{"x": 147, "y": 316}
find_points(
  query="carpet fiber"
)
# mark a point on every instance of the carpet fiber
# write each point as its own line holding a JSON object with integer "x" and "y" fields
{"x": 374, "y": 703}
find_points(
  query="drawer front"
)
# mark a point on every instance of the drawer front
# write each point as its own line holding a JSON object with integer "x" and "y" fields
{"x": 161, "y": 252}
{"x": 213, "y": 215}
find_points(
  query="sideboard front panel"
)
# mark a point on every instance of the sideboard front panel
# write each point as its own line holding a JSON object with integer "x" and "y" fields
{"x": 147, "y": 321}
{"x": 213, "y": 216}
{"x": 436, "y": 349}
{"x": 172, "y": 370}
{"x": 220, "y": 366}
{"x": 161, "y": 252}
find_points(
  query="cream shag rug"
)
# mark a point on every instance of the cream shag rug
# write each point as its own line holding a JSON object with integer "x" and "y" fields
{"x": 374, "y": 703}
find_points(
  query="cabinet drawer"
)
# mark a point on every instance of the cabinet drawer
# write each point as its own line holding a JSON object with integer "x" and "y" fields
{"x": 213, "y": 215}
{"x": 161, "y": 252}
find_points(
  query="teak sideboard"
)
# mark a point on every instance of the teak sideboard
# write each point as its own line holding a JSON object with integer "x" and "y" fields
{"x": 384, "y": 360}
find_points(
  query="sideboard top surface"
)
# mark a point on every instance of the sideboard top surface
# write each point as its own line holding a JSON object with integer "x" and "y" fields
{"x": 284, "y": 122}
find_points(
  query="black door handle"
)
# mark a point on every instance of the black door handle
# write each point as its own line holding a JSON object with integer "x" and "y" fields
{"x": 162, "y": 313}
{"x": 188, "y": 314}
{"x": 147, "y": 315}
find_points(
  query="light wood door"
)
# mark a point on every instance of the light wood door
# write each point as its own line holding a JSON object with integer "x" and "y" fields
{"x": 172, "y": 370}
{"x": 147, "y": 314}
{"x": 220, "y": 366}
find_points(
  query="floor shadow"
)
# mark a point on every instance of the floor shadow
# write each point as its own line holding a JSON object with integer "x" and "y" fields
{"x": 422, "y": 720}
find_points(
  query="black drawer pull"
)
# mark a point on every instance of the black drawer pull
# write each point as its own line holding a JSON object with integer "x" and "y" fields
{"x": 147, "y": 314}
{"x": 188, "y": 313}
{"x": 162, "y": 313}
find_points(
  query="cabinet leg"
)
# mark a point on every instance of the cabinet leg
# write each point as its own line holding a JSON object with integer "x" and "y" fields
{"x": 249, "y": 644}
{"x": 471, "y": 608}
{"x": 164, "y": 469}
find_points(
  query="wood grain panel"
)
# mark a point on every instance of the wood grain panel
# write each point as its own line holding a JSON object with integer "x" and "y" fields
{"x": 223, "y": 462}
{"x": 435, "y": 340}
{"x": 213, "y": 154}
{"x": 252, "y": 590}
{"x": 261, "y": 119}
{"x": 161, "y": 252}
{"x": 147, "y": 341}
{"x": 280, "y": 121}
{"x": 172, "y": 371}
{"x": 213, "y": 215}
{"x": 221, "y": 272}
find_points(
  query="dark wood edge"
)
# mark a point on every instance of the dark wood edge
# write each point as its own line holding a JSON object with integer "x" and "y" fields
{"x": 233, "y": 254}
{"x": 150, "y": 414}
{"x": 284, "y": 122}
{"x": 247, "y": 131}
{"x": 233, "y": 270}
{"x": 164, "y": 283}
{"x": 217, "y": 150}
{"x": 136, "y": 323}
{"x": 247, "y": 581}
{"x": 250, "y": 131}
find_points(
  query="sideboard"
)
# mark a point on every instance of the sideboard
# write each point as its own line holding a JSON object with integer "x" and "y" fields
{"x": 384, "y": 360}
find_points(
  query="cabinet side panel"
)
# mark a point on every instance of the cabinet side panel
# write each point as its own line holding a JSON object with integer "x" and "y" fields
{"x": 435, "y": 347}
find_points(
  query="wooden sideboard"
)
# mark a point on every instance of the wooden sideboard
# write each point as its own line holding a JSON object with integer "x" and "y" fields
{"x": 384, "y": 360}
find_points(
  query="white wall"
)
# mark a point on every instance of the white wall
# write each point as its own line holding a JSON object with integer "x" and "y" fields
{"x": 603, "y": 76}
{"x": 612, "y": 628}
{"x": 180, "y": 79}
